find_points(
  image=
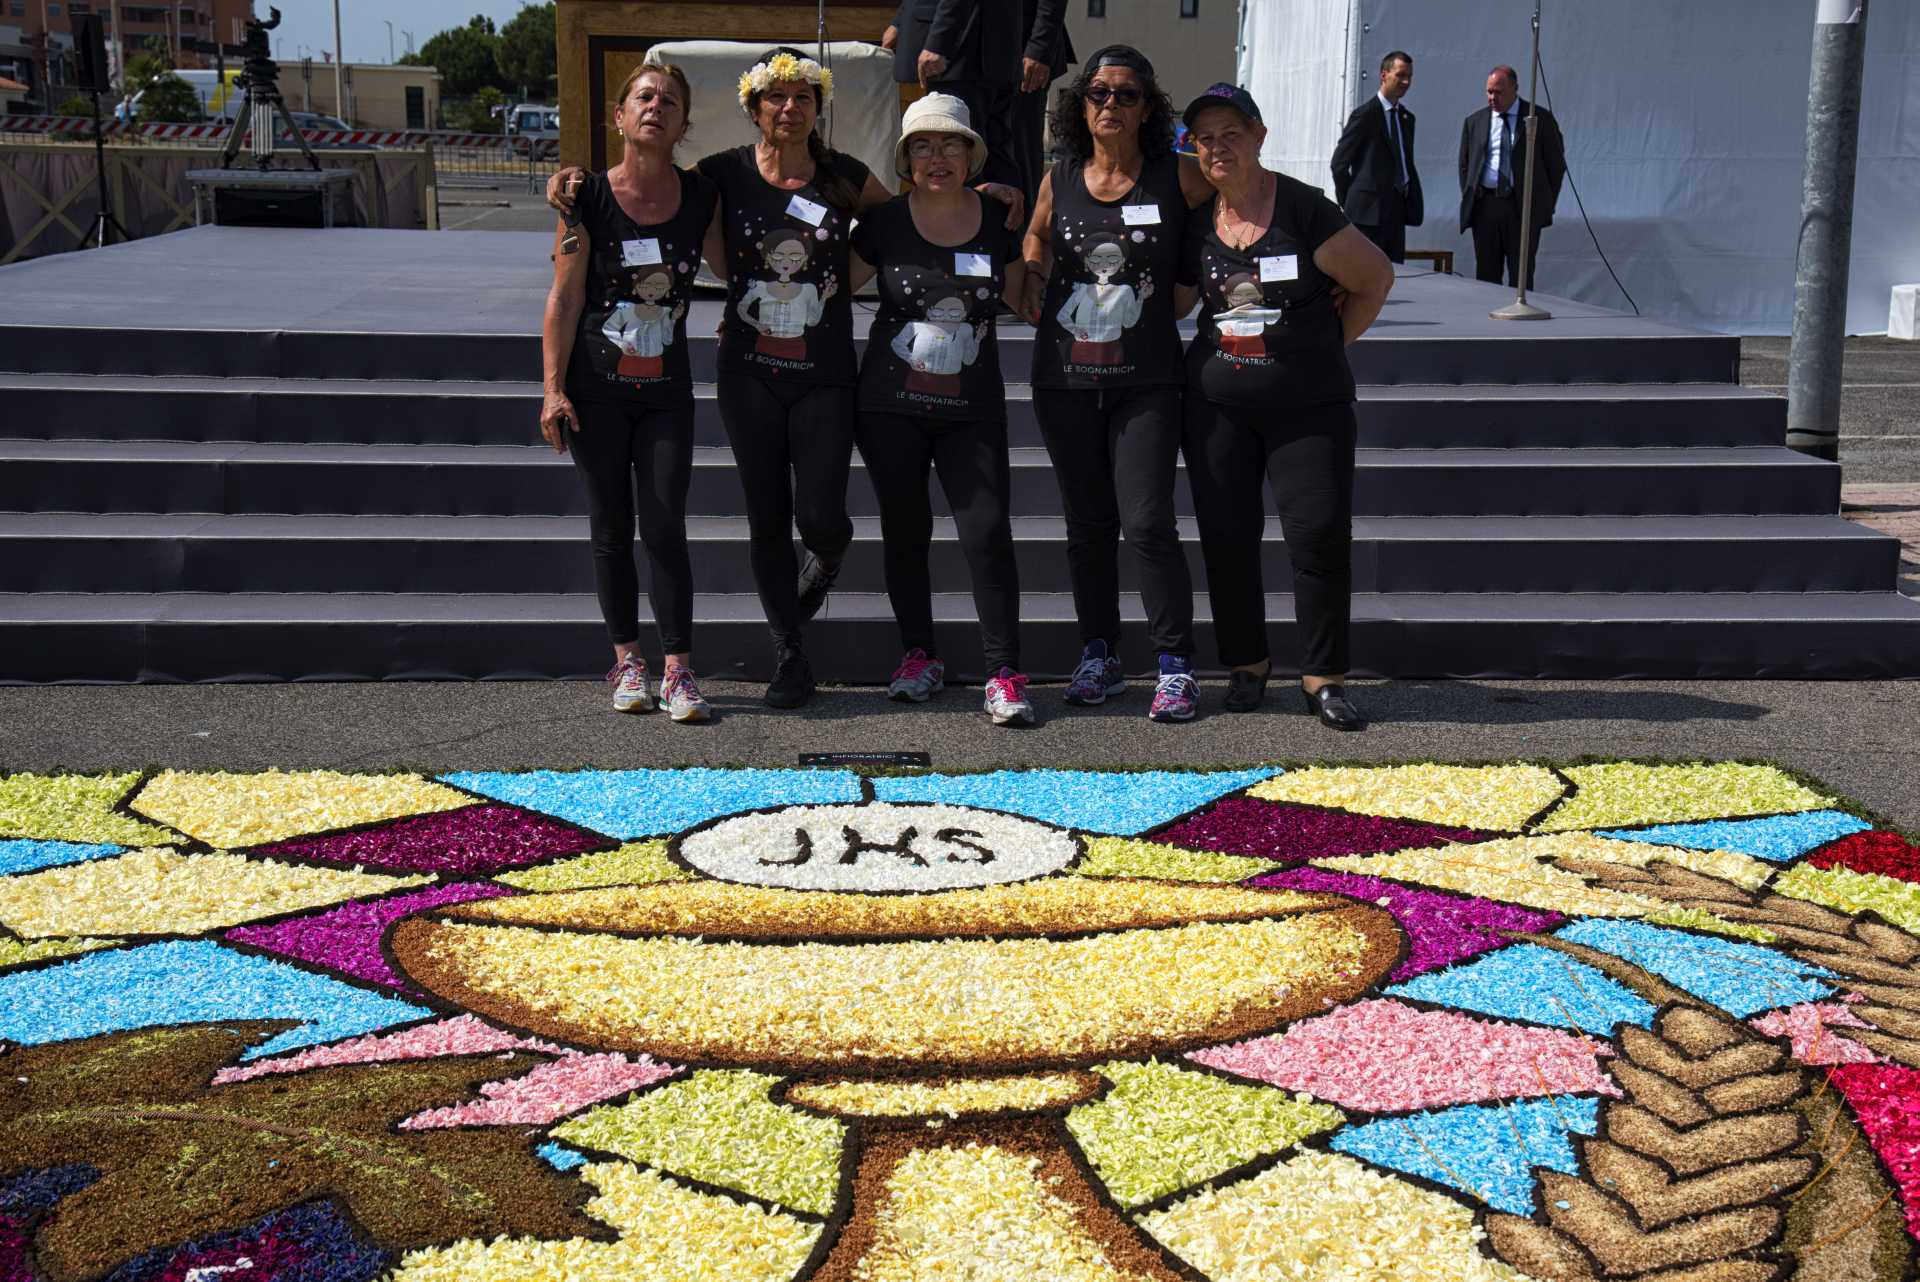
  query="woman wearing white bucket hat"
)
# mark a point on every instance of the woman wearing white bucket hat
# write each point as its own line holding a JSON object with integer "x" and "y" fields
{"x": 931, "y": 396}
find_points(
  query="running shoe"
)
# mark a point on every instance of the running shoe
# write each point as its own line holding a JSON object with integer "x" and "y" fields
{"x": 918, "y": 678}
{"x": 1174, "y": 697}
{"x": 1006, "y": 701}
{"x": 816, "y": 580}
{"x": 629, "y": 677}
{"x": 792, "y": 683}
{"x": 1098, "y": 676}
{"x": 681, "y": 698}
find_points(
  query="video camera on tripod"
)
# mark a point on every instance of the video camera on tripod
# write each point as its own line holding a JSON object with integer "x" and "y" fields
{"x": 262, "y": 110}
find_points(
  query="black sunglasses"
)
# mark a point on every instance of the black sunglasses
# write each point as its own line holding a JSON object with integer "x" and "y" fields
{"x": 1099, "y": 95}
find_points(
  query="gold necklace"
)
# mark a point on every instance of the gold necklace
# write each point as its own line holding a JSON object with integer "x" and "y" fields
{"x": 1233, "y": 237}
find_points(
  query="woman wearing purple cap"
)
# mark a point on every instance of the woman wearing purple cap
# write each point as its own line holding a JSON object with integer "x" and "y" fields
{"x": 1286, "y": 283}
{"x": 1103, "y": 262}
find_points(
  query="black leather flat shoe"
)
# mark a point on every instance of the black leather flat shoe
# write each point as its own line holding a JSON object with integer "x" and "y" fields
{"x": 1330, "y": 704}
{"x": 1246, "y": 691}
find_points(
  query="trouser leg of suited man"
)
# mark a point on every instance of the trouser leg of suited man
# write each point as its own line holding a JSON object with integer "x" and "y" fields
{"x": 1391, "y": 237}
{"x": 990, "y": 107}
{"x": 1029, "y": 133}
{"x": 1496, "y": 235}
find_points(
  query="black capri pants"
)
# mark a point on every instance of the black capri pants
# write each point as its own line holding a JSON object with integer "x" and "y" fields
{"x": 637, "y": 462}
{"x": 1306, "y": 454}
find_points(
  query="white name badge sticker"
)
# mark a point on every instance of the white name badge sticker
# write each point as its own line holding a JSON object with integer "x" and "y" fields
{"x": 1279, "y": 267}
{"x": 972, "y": 265}
{"x": 639, "y": 253}
{"x": 1140, "y": 215}
{"x": 807, "y": 211}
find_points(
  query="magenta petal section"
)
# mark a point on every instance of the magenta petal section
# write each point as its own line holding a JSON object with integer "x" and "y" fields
{"x": 347, "y": 938}
{"x": 473, "y": 839}
{"x": 1295, "y": 834}
{"x": 1441, "y": 929}
{"x": 1886, "y": 1099}
{"x": 548, "y": 1092}
{"x": 1383, "y": 1056}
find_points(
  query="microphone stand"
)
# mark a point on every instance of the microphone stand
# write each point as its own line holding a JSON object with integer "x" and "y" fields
{"x": 104, "y": 223}
{"x": 1520, "y": 308}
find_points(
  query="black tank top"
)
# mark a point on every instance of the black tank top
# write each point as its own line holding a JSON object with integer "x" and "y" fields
{"x": 1108, "y": 317}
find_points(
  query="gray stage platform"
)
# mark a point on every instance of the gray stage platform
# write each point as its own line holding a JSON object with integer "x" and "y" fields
{"x": 255, "y": 454}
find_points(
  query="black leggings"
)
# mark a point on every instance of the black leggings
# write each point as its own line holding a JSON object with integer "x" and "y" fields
{"x": 792, "y": 443}
{"x": 637, "y": 463}
{"x": 1114, "y": 454}
{"x": 1307, "y": 455}
{"x": 971, "y": 458}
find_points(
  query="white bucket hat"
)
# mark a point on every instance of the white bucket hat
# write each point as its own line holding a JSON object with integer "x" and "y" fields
{"x": 938, "y": 113}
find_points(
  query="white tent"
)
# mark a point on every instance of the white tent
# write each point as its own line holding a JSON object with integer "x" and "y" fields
{"x": 1685, "y": 123}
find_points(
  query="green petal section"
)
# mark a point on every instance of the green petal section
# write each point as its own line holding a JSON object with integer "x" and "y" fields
{"x": 75, "y": 808}
{"x": 1853, "y": 892}
{"x": 1162, "y": 1129}
{"x": 1623, "y": 794}
{"x": 634, "y": 864}
{"x": 18, "y": 952}
{"x": 1122, "y": 857}
{"x": 719, "y": 1126}
{"x": 1701, "y": 919}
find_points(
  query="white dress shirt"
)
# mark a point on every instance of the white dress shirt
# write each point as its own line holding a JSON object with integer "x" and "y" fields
{"x": 1499, "y": 132}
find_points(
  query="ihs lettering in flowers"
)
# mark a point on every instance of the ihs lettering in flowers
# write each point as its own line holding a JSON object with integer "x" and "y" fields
{"x": 857, "y": 844}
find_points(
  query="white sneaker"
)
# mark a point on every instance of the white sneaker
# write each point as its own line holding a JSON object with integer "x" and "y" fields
{"x": 917, "y": 679}
{"x": 630, "y": 691}
{"x": 1006, "y": 701}
{"x": 680, "y": 697}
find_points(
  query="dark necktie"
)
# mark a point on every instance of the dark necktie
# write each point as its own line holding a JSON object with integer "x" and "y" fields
{"x": 1399, "y": 144}
{"x": 1506, "y": 152}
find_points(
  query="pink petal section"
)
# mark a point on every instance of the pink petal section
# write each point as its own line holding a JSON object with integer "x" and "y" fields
{"x": 1384, "y": 1056}
{"x": 548, "y": 1093}
{"x": 462, "y": 1035}
{"x": 1886, "y": 1099}
{"x": 1809, "y": 1025}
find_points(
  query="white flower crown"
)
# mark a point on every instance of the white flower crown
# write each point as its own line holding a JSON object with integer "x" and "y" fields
{"x": 785, "y": 68}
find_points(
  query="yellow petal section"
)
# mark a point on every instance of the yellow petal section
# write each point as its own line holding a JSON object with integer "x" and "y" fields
{"x": 668, "y": 1233}
{"x": 18, "y": 952}
{"x": 637, "y": 863}
{"x": 1502, "y": 798}
{"x": 246, "y": 809}
{"x": 980, "y": 1212}
{"x": 944, "y": 1097}
{"x": 1322, "y": 1217}
{"x": 162, "y": 892}
{"x": 1127, "y": 857}
{"x": 74, "y": 808}
{"x": 1855, "y": 892}
{"x": 1520, "y": 870}
{"x": 1622, "y": 793}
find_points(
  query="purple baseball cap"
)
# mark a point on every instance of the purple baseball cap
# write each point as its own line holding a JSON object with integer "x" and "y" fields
{"x": 1222, "y": 95}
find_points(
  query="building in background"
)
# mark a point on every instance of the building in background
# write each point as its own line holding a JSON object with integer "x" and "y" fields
{"x": 36, "y": 37}
{"x": 1191, "y": 43}
{"x": 379, "y": 96}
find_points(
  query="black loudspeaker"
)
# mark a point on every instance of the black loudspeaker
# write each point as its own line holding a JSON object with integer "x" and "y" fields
{"x": 90, "y": 53}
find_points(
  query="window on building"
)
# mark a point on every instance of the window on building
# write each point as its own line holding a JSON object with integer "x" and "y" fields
{"x": 1189, "y": 8}
{"x": 1096, "y": 8}
{"x": 16, "y": 8}
{"x": 416, "y": 107}
{"x": 53, "y": 10}
{"x": 80, "y": 8}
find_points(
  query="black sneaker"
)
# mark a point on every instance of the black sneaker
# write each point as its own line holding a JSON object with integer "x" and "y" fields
{"x": 816, "y": 580}
{"x": 792, "y": 683}
{"x": 1246, "y": 691}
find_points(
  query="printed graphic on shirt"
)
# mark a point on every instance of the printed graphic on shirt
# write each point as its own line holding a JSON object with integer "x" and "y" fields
{"x": 1243, "y": 336}
{"x": 943, "y": 342}
{"x": 641, "y": 326}
{"x": 780, "y": 308}
{"x": 1098, "y": 312}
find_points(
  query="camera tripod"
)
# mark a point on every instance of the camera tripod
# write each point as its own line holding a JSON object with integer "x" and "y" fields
{"x": 104, "y": 223}
{"x": 262, "y": 108}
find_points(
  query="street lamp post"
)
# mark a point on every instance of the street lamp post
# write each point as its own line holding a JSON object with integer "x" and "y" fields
{"x": 389, "y": 23}
{"x": 339, "y": 59}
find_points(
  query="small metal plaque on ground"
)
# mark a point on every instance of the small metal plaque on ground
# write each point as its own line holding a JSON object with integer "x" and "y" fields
{"x": 866, "y": 758}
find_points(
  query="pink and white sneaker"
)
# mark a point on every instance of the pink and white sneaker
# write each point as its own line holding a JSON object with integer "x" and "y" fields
{"x": 1175, "y": 696}
{"x": 1006, "y": 701}
{"x": 918, "y": 678}
{"x": 630, "y": 690}
{"x": 680, "y": 697}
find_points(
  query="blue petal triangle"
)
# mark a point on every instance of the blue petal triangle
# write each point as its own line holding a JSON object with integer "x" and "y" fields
{"x": 1532, "y": 983}
{"x": 1118, "y": 802}
{"x": 642, "y": 803}
{"x": 1776, "y": 837}
{"x": 25, "y": 856}
{"x": 188, "y": 982}
{"x": 1740, "y": 978}
{"x": 1487, "y": 1151}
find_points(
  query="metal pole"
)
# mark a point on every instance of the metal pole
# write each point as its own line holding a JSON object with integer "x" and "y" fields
{"x": 339, "y": 57}
{"x": 389, "y": 23}
{"x": 1520, "y": 308}
{"x": 1826, "y": 228}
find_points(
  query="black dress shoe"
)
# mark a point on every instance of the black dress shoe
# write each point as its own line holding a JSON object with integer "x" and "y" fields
{"x": 1246, "y": 691}
{"x": 816, "y": 580}
{"x": 792, "y": 683}
{"x": 1330, "y": 704}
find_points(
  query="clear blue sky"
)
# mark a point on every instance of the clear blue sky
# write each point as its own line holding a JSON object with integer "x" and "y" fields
{"x": 363, "y": 24}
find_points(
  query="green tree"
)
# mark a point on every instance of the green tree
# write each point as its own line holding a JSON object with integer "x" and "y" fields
{"x": 474, "y": 114}
{"x": 153, "y": 61}
{"x": 464, "y": 57}
{"x": 526, "y": 54}
{"x": 78, "y": 105}
{"x": 169, "y": 99}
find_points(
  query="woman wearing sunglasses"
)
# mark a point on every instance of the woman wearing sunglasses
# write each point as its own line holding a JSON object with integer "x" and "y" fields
{"x": 1103, "y": 259}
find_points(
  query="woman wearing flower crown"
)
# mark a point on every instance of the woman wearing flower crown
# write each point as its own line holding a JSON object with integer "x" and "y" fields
{"x": 787, "y": 365}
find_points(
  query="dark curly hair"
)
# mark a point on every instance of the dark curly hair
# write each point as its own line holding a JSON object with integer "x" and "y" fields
{"x": 1067, "y": 122}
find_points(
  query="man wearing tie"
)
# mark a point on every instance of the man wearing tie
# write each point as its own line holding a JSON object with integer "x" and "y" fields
{"x": 1493, "y": 159}
{"x": 1374, "y": 179}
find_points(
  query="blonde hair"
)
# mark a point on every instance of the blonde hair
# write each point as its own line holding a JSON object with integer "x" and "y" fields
{"x": 667, "y": 69}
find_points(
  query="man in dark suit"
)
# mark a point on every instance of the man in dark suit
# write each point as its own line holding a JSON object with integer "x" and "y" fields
{"x": 1493, "y": 168}
{"x": 1374, "y": 179}
{"x": 1048, "y": 54}
{"x": 973, "y": 50}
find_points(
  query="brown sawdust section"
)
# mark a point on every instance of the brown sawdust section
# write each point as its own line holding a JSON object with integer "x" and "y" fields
{"x": 1134, "y": 1257}
{"x": 412, "y": 945}
{"x": 1707, "y": 1170}
{"x": 181, "y": 1159}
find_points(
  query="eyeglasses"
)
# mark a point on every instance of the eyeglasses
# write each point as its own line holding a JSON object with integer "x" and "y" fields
{"x": 1099, "y": 95}
{"x": 925, "y": 148}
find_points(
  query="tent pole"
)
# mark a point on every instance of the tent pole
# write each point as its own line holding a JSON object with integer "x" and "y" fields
{"x": 1520, "y": 308}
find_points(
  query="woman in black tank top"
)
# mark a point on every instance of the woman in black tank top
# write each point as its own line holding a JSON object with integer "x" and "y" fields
{"x": 1103, "y": 257}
